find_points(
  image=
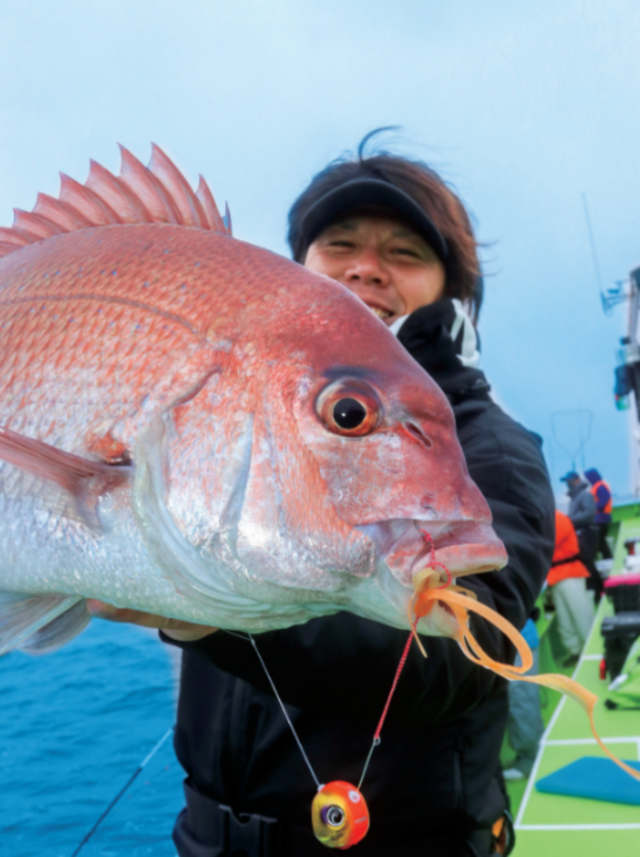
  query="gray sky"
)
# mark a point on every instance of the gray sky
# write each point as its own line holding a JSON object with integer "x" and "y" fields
{"x": 522, "y": 106}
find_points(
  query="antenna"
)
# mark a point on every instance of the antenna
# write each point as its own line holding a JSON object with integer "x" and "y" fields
{"x": 594, "y": 254}
{"x": 585, "y": 422}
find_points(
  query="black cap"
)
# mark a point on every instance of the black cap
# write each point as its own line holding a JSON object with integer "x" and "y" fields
{"x": 362, "y": 192}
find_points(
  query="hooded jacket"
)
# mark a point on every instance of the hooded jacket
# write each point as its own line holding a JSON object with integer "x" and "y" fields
{"x": 582, "y": 506}
{"x": 434, "y": 775}
{"x": 601, "y": 494}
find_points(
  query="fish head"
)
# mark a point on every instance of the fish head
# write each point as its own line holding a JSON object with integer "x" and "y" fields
{"x": 384, "y": 438}
{"x": 323, "y": 461}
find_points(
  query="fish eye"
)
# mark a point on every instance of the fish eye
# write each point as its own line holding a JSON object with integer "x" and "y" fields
{"x": 349, "y": 413}
{"x": 349, "y": 407}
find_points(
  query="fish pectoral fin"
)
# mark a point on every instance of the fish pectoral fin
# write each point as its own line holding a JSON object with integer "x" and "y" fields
{"x": 79, "y": 481}
{"x": 39, "y": 623}
{"x": 59, "y": 631}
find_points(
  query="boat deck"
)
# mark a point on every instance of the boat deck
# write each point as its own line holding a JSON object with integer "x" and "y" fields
{"x": 551, "y": 824}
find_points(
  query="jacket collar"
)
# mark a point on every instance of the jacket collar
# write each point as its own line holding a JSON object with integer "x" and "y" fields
{"x": 441, "y": 342}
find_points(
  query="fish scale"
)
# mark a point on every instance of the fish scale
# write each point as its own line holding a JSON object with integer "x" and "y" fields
{"x": 165, "y": 443}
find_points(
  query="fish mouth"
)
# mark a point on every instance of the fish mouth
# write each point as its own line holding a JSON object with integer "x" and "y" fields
{"x": 463, "y": 547}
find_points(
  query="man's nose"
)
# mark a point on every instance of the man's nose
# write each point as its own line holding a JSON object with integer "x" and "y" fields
{"x": 367, "y": 270}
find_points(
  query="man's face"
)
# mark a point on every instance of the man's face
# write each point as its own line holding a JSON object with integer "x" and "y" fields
{"x": 383, "y": 261}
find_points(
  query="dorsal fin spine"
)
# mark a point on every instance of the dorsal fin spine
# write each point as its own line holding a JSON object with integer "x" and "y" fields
{"x": 117, "y": 195}
{"x": 209, "y": 205}
{"x": 60, "y": 212}
{"x": 149, "y": 190}
{"x": 178, "y": 188}
{"x": 155, "y": 194}
{"x": 11, "y": 235}
{"x": 37, "y": 225}
{"x": 95, "y": 209}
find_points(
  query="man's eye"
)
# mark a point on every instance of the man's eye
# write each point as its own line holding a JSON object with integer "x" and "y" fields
{"x": 406, "y": 251}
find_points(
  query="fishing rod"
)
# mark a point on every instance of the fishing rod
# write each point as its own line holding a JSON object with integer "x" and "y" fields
{"x": 140, "y": 767}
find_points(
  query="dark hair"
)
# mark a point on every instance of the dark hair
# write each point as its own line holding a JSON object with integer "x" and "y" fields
{"x": 425, "y": 187}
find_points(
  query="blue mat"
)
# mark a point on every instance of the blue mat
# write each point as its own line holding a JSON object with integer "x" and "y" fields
{"x": 595, "y": 778}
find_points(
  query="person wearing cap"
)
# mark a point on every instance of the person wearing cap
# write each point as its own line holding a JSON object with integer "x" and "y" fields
{"x": 603, "y": 499}
{"x": 390, "y": 230}
{"x": 582, "y": 513}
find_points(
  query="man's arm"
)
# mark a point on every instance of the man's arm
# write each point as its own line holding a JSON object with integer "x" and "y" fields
{"x": 175, "y": 629}
{"x": 585, "y": 512}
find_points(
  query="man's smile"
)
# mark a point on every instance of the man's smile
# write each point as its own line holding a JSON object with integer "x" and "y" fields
{"x": 382, "y": 312}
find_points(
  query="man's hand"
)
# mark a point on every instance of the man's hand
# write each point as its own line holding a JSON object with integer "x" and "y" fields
{"x": 184, "y": 632}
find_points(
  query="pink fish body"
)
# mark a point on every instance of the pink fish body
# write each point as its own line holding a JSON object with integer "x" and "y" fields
{"x": 196, "y": 427}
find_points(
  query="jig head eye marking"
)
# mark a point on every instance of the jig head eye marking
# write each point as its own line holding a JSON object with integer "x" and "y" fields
{"x": 339, "y": 815}
{"x": 334, "y": 816}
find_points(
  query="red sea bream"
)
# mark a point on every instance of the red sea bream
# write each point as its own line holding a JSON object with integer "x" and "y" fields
{"x": 199, "y": 428}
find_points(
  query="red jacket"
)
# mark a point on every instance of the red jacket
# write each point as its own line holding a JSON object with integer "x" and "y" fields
{"x": 565, "y": 556}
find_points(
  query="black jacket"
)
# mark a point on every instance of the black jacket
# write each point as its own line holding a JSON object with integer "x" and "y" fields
{"x": 433, "y": 775}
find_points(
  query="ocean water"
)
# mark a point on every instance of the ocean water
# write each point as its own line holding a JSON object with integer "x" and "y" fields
{"x": 74, "y": 726}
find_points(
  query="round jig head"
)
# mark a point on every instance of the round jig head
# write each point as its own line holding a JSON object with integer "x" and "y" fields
{"x": 339, "y": 815}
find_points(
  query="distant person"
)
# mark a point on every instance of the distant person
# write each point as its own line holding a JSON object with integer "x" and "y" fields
{"x": 582, "y": 512}
{"x": 567, "y": 579}
{"x": 524, "y": 724}
{"x": 601, "y": 493}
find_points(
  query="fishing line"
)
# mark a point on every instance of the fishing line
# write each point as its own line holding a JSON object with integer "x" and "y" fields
{"x": 339, "y": 812}
{"x": 122, "y": 791}
{"x": 376, "y": 737}
{"x": 433, "y": 563}
{"x": 284, "y": 711}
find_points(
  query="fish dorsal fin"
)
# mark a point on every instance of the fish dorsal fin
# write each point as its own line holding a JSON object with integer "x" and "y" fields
{"x": 158, "y": 193}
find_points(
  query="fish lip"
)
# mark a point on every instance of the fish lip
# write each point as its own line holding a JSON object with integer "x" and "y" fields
{"x": 463, "y": 546}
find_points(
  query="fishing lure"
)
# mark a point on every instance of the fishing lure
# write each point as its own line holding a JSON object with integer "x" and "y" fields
{"x": 339, "y": 813}
{"x": 460, "y": 601}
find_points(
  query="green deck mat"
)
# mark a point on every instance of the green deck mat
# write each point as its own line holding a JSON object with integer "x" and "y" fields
{"x": 552, "y": 825}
